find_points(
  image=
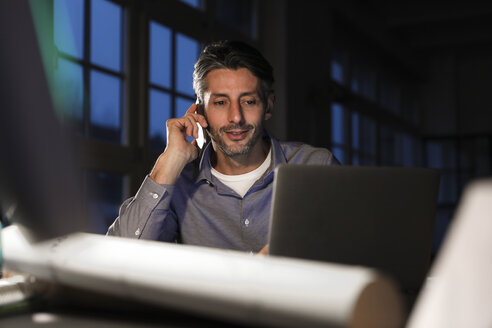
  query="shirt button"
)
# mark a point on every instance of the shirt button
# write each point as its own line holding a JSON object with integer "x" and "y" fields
{"x": 246, "y": 222}
{"x": 154, "y": 195}
{"x": 137, "y": 233}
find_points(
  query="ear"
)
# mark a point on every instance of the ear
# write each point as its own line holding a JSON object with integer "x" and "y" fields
{"x": 269, "y": 106}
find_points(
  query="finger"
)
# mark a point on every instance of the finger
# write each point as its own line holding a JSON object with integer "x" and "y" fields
{"x": 192, "y": 110}
{"x": 202, "y": 120}
{"x": 264, "y": 250}
{"x": 191, "y": 127}
{"x": 179, "y": 126}
{"x": 199, "y": 118}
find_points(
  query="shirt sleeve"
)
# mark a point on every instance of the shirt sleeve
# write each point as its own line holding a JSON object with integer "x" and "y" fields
{"x": 147, "y": 215}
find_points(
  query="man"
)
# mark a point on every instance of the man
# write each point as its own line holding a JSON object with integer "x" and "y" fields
{"x": 218, "y": 196}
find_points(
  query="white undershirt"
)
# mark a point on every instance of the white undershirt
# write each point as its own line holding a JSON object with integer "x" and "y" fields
{"x": 242, "y": 182}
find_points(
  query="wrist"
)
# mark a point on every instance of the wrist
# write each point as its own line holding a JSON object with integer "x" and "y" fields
{"x": 168, "y": 167}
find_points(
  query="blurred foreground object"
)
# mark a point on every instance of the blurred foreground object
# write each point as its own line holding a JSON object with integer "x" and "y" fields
{"x": 459, "y": 292}
{"x": 256, "y": 290}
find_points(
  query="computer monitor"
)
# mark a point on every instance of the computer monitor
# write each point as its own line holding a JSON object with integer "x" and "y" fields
{"x": 39, "y": 184}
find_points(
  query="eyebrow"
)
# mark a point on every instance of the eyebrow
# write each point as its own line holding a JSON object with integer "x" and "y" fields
{"x": 249, "y": 93}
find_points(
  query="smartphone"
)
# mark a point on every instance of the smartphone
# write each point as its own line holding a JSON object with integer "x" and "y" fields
{"x": 202, "y": 133}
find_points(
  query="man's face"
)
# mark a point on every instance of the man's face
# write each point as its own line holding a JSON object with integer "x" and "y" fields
{"x": 234, "y": 110}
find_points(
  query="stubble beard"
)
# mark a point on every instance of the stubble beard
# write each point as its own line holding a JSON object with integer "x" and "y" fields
{"x": 217, "y": 137}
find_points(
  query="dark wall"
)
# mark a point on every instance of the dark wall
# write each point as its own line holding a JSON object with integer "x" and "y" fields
{"x": 454, "y": 79}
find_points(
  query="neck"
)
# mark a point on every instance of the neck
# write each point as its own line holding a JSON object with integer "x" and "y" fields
{"x": 240, "y": 164}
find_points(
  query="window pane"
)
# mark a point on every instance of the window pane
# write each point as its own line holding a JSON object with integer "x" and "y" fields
{"x": 69, "y": 93}
{"x": 355, "y": 159}
{"x": 337, "y": 124}
{"x": 160, "y": 55}
{"x": 105, "y": 107}
{"x": 194, "y": 3}
{"x": 106, "y": 195}
{"x": 187, "y": 51}
{"x": 441, "y": 154}
{"x": 408, "y": 151}
{"x": 106, "y": 34}
{"x": 340, "y": 154}
{"x": 68, "y": 26}
{"x": 337, "y": 71}
{"x": 355, "y": 131}
{"x": 240, "y": 14}
{"x": 434, "y": 155}
{"x": 159, "y": 113}
{"x": 182, "y": 105}
{"x": 448, "y": 187}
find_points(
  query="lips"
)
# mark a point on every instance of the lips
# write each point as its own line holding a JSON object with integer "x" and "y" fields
{"x": 237, "y": 135}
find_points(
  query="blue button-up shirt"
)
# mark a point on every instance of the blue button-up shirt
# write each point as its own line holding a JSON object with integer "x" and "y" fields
{"x": 200, "y": 210}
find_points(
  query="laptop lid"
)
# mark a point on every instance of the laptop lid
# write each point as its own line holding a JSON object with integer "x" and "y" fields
{"x": 376, "y": 217}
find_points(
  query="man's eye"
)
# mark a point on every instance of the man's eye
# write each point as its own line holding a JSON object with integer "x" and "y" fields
{"x": 219, "y": 102}
{"x": 250, "y": 102}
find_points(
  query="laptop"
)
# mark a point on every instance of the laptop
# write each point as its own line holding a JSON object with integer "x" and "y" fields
{"x": 370, "y": 216}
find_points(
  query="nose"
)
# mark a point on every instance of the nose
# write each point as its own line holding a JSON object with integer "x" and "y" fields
{"x": 236, "y": 113}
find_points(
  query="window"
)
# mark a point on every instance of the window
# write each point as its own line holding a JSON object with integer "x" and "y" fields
{"x": 442, "y": 155}
{"x": 369, "y": 105}
{"x": 116, "y": 94}
{"x": 337, "y": 67}
{"x": 459, "y": 160}
{"x": 199, "y": 4}
{"x": 360, "y": 149}
{"x": 172, "y": 56}
{"x": 339, "y": 145}
{"x": 89, "y": 75}
{"x": 399, "y": 148}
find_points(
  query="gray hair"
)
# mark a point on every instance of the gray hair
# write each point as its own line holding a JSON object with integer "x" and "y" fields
{"x": 232, "y": 55}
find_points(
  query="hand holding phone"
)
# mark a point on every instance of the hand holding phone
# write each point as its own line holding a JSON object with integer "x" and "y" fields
{"x": 179, "y": 151}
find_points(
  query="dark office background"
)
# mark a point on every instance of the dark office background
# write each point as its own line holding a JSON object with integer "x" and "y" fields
{"x": 382, "y": 83}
